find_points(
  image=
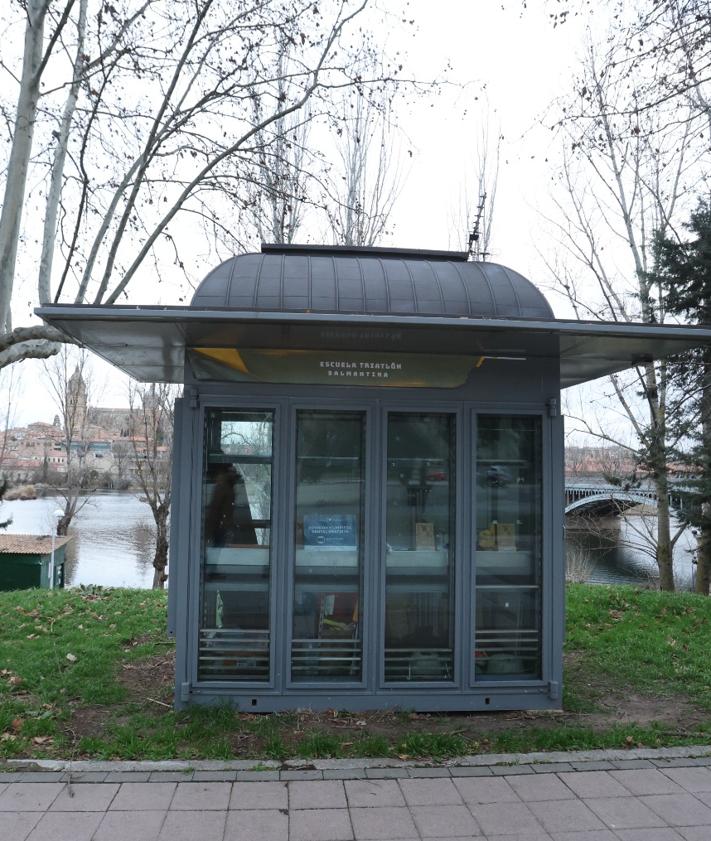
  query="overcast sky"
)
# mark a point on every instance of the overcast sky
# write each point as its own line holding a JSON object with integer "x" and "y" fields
{"x": 508, "y": 65}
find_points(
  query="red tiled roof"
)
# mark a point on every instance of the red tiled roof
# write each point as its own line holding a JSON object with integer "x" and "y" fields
{"x": 30, "y": 544}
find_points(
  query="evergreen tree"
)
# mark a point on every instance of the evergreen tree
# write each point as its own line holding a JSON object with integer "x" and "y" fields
{"x": 684, "y": 269}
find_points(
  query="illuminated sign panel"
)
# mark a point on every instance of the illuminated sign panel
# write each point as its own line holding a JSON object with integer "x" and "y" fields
{"x": 332, "y": 367}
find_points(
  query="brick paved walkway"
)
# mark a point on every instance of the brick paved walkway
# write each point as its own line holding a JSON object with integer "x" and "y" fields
{"x": 663, "y": 799}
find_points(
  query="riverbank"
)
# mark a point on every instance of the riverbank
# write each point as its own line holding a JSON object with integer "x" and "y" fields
{"x": 89, "y": 674}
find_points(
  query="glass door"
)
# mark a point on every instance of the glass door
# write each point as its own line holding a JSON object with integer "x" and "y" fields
{"x": 508, "y": 547}
{"x": 235, "y": 622}
{"x": 327, "y": 632}
{"x": 419, "y": 547}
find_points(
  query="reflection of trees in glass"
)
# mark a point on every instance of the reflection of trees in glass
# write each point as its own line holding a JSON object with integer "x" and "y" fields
{"x": 329, "y": 447}
{"x": 251, "y": 435}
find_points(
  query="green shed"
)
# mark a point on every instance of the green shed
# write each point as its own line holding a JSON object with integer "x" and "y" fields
{"x": 26, "y": 561}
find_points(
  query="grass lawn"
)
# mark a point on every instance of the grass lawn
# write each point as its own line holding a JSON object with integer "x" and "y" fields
{"x": 88, "y": 674}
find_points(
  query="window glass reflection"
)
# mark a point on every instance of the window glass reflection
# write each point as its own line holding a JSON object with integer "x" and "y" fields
{"x": 419, "y": 547}
{"x": 508, "y": 547}
{"x": 327, "y": 632}
{"x": 237, "y": 489}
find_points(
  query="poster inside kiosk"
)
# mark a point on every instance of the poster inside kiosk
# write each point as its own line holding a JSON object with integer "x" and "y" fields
{"x": 332, "y": 367}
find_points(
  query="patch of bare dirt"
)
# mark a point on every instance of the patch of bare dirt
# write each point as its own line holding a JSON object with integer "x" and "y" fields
{"x": 149, "y": 684}
{"x": 150, "y": 679}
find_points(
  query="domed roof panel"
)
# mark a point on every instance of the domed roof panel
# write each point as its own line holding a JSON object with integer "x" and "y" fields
{"x": 370, "y": 281}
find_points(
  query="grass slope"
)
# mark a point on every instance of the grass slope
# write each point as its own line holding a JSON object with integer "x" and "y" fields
{"x": 88, "y": 673}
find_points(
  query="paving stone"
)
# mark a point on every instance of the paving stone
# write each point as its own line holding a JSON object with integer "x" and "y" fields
{"x": 429, "y": 772}
{"x": 591, "y": 835}
{"x": 596, "y": 765}
{"x": 552, "y": 767}
{"x": 511, "y": 770}
{"x": 386, "y": 773}
{"x": 320, "y": 794}
{"x": 66, "y": 826}
{"x": 694, "y": 833}
{"x": 464, "y": 771}
{"x": 259, "y": 795}
{"x": 16, "y": 826}
{"x": 565, "y": 816}
{"x": 528, "y": 835}
{"x": 194, "y": 825}
{"x": 85, "y": 797}
{"x": 199, "y": 797}
{"x": 486, "y": 790}
{"x": 128, "y": 777}
{"x": 679, "y": 809}
{"x": 540, "y": 787}
{"x": 631, "y": 764}
{"x": 383, "y": 822}
{"x": 138, "y": 797}
{"x": 666, "y": 834}
{"x": 692, "y": 779}
{"x": 257, "y": 776}
{"x": 11, "y": 776}
{"x": 670, "y": 763}
{"x": 130, "y": 826}
{"x": 317, "y": 825}
{"x": 497, "y": 819}
{"x": 438, "y": 821}
{"x": 594, "y": 784}
{"x": 646, "y": 781}
{"x": 29, "y": 797}
{"x": 301, "y": 775}
{"x": 258, "y": 825}
{"x": 41, "y": 776}
{"x": 425, "y": 792}
{"x": 373, "y": 793}
{"x": 624, "y": 812}
{"x": 171, "y": 777}
{"x": 84, "y": 776}
{"x": 344, "y": 774}
{"x": 214, "y": 776}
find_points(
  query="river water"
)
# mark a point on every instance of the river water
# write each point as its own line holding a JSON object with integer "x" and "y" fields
{"x": 113, "y": 540}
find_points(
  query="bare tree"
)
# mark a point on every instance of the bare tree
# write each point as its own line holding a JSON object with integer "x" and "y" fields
{"x": 151, "y": 418}
{"x": 364, "y": 182}
{"x": 474, "y": 222}
{"x": 153, "y": 113}
{"x": 9, "y": 383}
{"x": 616, "y": 188}
{"x": 68, "y": 378}
{"x": 661, "y": 51}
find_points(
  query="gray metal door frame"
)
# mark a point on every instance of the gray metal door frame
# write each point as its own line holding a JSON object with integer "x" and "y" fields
{"x": 377, "y": 407}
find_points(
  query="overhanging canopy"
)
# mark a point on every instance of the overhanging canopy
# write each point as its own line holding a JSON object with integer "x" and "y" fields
{"x": 149, "y": 343}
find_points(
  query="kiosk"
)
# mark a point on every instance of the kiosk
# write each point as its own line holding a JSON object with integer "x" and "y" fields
{"x": 368, "y": 475}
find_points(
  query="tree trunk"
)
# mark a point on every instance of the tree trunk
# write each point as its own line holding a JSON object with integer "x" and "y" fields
{"x": 63, "y": 525}
{"x": 703, "y": 554}
{"x": 20, "y": 152}
{"x": 160, "y": 558}
{"x": 665, "y": 550}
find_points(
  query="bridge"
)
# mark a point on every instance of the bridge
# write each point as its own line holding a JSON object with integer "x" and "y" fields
{"x": 607, "y": 500}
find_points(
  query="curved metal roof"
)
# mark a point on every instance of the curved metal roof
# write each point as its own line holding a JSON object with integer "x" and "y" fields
{"x": 369, "y": 281}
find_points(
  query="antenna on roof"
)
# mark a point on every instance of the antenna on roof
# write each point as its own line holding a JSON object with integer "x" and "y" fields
{"x": 474, "y": 251}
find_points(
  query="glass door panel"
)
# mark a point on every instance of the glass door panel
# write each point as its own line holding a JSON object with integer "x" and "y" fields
{"x": 508, "y": 547}
{"x": 419, "y": 558}
{"x": 236, "y": 546}
{"x": 327, "y": 637}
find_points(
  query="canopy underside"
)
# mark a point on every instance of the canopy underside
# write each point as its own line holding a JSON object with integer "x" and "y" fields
{"x": 149, "y": 343}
